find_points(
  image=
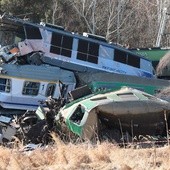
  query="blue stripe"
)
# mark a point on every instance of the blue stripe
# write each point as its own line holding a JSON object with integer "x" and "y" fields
{"x": 21, "y": 104}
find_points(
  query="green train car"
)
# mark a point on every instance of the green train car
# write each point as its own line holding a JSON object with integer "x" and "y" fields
{"x": 151, "y": 89}
{"x": 153, "y": 54}
{"x": 101, "y": 81}
{"x": 115, "y": 111}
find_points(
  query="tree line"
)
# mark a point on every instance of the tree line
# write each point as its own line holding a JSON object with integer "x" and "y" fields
{"x": 131, "y": 23}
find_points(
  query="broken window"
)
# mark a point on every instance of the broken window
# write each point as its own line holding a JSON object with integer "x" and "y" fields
{"x": 88, "y": 51}
{"x": 5, "y": 85}
{"x": 31, "y": 88}
{"x": 78, "y": 114}
{"x": 32, "y": 32}
{"x": 6, "y": 38}
{"x": 11, "y": 35}
{"x": 50, "y": 90}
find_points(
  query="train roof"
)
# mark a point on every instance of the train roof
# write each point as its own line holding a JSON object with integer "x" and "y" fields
{"x": 40, "y": 73}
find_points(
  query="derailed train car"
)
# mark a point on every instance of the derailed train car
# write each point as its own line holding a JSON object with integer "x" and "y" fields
{"x": 68, "y": 50}
{"x": 22, "y": 87}
{"x": 126, "y": 110}
{"x": 122, "y": 115}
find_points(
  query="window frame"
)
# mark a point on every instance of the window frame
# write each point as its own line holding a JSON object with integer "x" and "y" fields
{"x": 61, "y": 44}
{"x": 88, "y": 51}
{"x": 32, "y": 32}
{"x": 29, "y": 90}
{"x": 6, "y": 85}
{"x": 126, "y": 58}
{"x": 120, "y": 56}
{"x": 133, "y": 60}
{"x": 78, "y": 115}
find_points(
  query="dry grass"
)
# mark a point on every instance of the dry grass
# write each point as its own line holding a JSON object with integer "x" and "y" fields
{"x": 101, "y": 156}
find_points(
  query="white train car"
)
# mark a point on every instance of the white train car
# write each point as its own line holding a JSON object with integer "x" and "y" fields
{"x": 24, "y": 86}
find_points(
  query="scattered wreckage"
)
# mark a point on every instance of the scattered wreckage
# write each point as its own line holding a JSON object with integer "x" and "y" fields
{"x": 109, "y": 115}
{"x": 25, "y": 79}
{"x": 7, "y": 130}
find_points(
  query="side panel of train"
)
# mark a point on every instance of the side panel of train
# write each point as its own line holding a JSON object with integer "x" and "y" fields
{"x": 79, "y": 53}
{"x": 151, "y": 89}
{"x": 26, "y": 95}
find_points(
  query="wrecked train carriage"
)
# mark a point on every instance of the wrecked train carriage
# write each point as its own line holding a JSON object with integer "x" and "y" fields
{"x": 100, "y": 81}
{"x": 24, "y": 86}
{"x": 116, "y": 113}
{"x": 82, "y": 53}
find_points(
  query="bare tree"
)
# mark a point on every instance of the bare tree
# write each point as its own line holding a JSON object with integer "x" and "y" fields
{"x": 111, "y": 18}
{"x": 56, "y": 9}
{"x": 132, "y": 22}
{"x": 86, "y": 10}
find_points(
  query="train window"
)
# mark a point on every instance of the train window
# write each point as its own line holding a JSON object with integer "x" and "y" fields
{"x": 61, "y": 44}
{"x": 67, "y": 46}
{"x": 82, "y": 56}
{"x": 67, "y": 42}
{"x": 31, "y": 88}
{"x": 88, "y": 51}
{"x": 56, "y": 39}
{"x": 133, "y": 61}
{"x": 55, "y": 50}
{"x": 83, "y": 46}
{"x": 50, "y": 90}
{"x": 82, "y": 50}
{"x": 32, "y": 32}
{"x": 5, "y": 85}
{"x": 120, "y": 56}
{"x": 78, "y": 115}
{"x": 92, "y": 59}
{"x": 94, "y": 49}
{"x": 66, "y": 53}
{"x": 56, "y": 43}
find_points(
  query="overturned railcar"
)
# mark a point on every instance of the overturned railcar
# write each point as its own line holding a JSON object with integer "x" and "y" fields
{"x": 123, "y": 111}
{"x": 82, "y": 53}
